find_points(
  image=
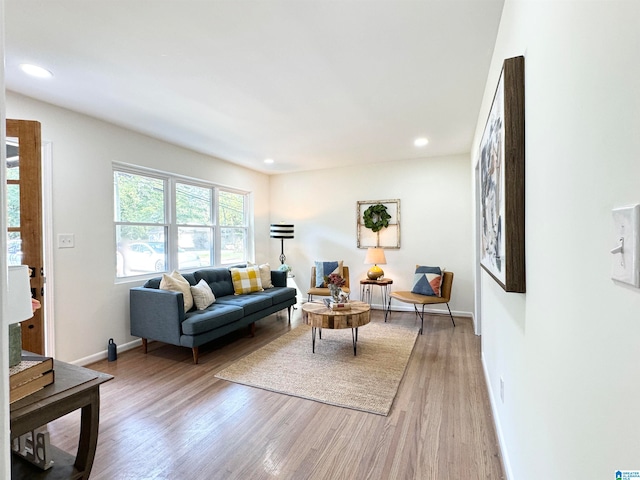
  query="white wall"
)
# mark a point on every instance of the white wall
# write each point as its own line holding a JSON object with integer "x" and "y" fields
{"x": 568, "y": 348}
{"x": 90, "y": 307}
{"x": 435, "y": 208}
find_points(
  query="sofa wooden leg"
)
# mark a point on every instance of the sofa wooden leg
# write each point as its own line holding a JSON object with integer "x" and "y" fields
{"x": 195, "y": 354}
{"x": 252, "y": 329}
{"x": 144, "y": 345}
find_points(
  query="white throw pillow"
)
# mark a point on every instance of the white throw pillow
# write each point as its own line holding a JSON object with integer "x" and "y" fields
{"x": 202, "y": 295}
{"x": 177, "y": 283}
{"x": 265, "y": 274}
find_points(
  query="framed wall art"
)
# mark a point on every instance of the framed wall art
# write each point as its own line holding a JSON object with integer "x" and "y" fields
{"x": 378, "y": 223}
{"x": 501, "y": 170}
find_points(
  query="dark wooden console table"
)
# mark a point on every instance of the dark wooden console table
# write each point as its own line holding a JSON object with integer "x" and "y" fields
{"x": 74, "y": 387}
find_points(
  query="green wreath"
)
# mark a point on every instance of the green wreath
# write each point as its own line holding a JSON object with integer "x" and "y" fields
{"x": 376, "y": 217}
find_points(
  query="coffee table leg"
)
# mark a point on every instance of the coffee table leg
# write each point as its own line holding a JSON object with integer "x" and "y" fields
{"x": 313, "y": 339}
{"x": 354, "y": 338}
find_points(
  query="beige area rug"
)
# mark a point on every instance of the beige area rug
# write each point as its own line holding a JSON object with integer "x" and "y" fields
{"x": 333, "y": 375}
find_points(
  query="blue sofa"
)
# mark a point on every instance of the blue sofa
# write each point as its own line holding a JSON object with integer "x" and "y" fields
{"x": 159, "y": 314}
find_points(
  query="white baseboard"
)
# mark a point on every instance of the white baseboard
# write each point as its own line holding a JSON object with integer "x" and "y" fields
{"x": 506, "y": 464}
{"x": 96, "y": 357}
{"x": 428, "y": 311}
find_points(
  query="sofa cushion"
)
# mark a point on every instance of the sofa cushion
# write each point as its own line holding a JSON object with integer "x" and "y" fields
{"x": 177, "y": 283}
{"x": 278, "y": 294}
{"x": 250, "y": 303}
{"x": 246, "y": 280}
{"x": 202, "y": 295}
{"x": 215, "y": 316}
{"x": 219, "y": 280}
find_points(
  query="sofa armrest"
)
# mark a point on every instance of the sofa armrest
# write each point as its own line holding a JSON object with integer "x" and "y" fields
{"x": 156, "y": 314}
{"x": 279, "y": 278}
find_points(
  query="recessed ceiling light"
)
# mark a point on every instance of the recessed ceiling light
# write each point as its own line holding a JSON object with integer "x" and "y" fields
{"x": 268, "y": 160}
{"x": 35, "y": 71}
{"x": 420, "y": 142}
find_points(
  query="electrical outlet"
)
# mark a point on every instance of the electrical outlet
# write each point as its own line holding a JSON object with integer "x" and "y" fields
{"x": 66, "y": 240}
{"x": 502, "y": 389}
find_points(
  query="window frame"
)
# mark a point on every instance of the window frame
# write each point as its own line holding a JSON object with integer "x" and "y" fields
{"x": 172, "y": 227}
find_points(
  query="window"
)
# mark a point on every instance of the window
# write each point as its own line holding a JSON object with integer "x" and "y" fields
{"x": 164, "y": 222}
{"x": 141, "y": 227}
{"x": 233, "y": 227}
{"x": 194, "y": 216}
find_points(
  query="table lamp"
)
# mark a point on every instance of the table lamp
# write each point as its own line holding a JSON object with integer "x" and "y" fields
{"x": 375, "y": 256}
{"x": 17, "y": 308}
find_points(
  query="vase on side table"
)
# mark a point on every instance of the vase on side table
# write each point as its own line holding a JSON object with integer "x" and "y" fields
{"x": 335, "y": 292}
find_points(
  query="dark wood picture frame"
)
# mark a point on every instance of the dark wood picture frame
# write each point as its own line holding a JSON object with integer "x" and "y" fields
{"x": 501, "y": 170}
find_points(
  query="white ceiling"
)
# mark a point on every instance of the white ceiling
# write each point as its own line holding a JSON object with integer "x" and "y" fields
{"x": 311, "y": 84}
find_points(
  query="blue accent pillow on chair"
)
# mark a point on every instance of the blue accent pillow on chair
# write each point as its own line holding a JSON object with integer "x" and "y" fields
{"x": 427, "y": 281}
{"x": 324, "y": 269}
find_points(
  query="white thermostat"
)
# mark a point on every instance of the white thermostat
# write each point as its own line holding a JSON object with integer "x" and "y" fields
{"x": 626, "y": 250}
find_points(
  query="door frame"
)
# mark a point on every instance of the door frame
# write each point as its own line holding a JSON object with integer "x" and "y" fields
{"x": 47, "y": 240}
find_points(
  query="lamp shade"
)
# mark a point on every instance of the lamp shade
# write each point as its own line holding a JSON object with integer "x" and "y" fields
{"x": 18, "y": 304}
{"x": 375, "y": 256}
{"x": 281, "y": 230}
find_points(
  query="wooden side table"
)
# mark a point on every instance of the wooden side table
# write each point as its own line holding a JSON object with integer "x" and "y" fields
{"x": 385, "y": 288}
{"x": 74, "y": 388}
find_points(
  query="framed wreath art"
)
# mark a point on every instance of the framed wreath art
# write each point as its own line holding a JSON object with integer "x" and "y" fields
{"x": 378, "y": 223}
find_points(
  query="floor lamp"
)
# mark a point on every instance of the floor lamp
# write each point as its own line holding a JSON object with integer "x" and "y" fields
{"x": 282, "y": 231}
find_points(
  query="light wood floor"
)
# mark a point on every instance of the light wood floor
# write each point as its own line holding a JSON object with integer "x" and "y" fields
{"x": 164, "y": 418}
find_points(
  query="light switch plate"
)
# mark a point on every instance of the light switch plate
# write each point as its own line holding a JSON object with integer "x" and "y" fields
{"x": 626, "y": 222}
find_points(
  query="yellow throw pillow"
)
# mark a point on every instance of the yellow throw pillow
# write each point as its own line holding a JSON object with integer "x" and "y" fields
{"x": 265, "y": 274}
{"x": 202, "y": 295}
{"x": 177, "y": 283}
{"x": 246, "y": 280}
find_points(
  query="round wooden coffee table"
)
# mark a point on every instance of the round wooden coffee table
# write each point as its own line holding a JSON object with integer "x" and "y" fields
{"x": 319, "y": 316}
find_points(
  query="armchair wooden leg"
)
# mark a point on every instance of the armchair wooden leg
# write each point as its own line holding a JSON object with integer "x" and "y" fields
{"x": 144, "y": 345}
{"x": 195, "y": 355}
{"x": 289, "y": 313}
{"x": 252, "y": 329}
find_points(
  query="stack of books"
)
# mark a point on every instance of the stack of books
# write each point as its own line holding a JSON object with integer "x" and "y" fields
{"x": 335, "y": 305}
{"x": 339, "y": 306}
{"x": 33, "y": 373}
